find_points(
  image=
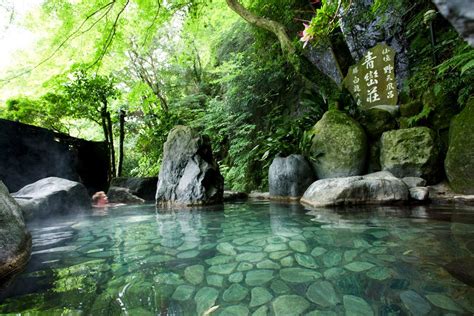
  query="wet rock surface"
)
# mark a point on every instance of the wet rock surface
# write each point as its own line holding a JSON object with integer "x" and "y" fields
{"x": 123, "y": 195}
{"x": 376, "y": 188}
{"x": 462, "y": 269}
{"x": 189, "y": 175}
{"x": 459, "y": 14}
{"x": 377, "y": 121}
{"x": 419, "y": 193}
{"x": 363, "y": 34}
{"x": 52, "y": 196}
{"x": 289, "y": 177}
{"x": 413, "y": 182}
{"x": 15, "y": 241}
{"x": 442, "y": 193}
{"x": 143, "y": 187}
{"x": 231, "y": 196}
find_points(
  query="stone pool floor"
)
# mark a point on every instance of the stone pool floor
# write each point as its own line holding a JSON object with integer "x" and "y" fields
{"x": 254, "y": 258}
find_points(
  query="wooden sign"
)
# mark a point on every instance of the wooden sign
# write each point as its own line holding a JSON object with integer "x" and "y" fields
{"x": 372, "y": 80}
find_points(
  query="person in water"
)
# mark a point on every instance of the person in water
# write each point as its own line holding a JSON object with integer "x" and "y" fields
{"x": 100, "y": 199}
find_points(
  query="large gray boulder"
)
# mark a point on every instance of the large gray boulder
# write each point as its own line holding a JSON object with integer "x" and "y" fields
{"x": 339, "y": 146}
{"x": 410, "y": 152}
{"x": 375, "y": 188}
{"x": 289, "y": 177}
{"x": 460, "y": 13}
{"x": 15, "y": 241}
{"x": 459, "y": 163}
{"x": 143, "y": 187}
{"x": 51, "y": 196}
{"x": 189, "y": 175}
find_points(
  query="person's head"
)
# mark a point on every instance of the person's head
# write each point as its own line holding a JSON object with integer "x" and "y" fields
{"x": 99, "y": 198}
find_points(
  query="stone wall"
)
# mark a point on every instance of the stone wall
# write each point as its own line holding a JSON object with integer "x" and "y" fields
{"x": 29, "y": 153}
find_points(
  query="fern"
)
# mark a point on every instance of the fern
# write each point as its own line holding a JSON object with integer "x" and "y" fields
{"x": 462, "y": 62}
{"x": 424, "y": 114}
{"x": 468, "y": 65}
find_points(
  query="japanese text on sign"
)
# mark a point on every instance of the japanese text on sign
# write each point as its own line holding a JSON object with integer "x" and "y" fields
{"x": 372, "y": 80}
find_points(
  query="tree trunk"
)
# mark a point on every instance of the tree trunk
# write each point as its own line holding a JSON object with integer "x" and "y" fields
{"x": 164, "y": 104}
{"x": 121, "y": 140}
{"x": 103, "y": 116}
{"x": 111, "y": 142}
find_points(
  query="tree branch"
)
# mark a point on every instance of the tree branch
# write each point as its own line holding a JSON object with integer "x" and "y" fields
{"x": 110, "y": 37}
{"x": 295, "y": 59}
{"x": 147, "y": 33}
{"x": 276, "y": 28}
{"x": 71, "y": 36}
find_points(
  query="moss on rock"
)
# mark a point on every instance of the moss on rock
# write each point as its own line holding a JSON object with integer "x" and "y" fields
{"x": 339, "y": 146}
{"x": 410, "y": 108}
{"x": 459, "y": 163}
{"x": 443, "y": 108}
{"x": 410, "y": 152}
{"x": 377, "y": 121}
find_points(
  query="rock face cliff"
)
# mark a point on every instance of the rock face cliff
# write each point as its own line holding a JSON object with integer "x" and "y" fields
{"x": 460, "y": 13}
{"x": 15, "y": 241}
{"x": 189, "y": 175}
{"x": 362, "y": 33}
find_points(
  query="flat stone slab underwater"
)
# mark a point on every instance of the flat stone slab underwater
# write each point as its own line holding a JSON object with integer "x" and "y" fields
{"x": 254, "y": 258}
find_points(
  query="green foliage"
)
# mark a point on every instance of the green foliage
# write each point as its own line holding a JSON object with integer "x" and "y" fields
{"x": 443, "y": 87}
{"x": 325, "y": 19}
{"x": 462, "y": 61}
{"x": 90, "y": 94}
{"x": 381, "y": 6}
{"x": 195, "y": 66}
{"x": 262, "y": 110}
{"x": 423, "y": 115}
{"x": 147, "y": 133}
{"x": 50, "y": 111}
{"x": 198, "y": 63}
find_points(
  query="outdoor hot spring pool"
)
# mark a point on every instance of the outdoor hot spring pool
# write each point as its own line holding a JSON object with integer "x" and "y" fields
{"x": 255, "y": 258}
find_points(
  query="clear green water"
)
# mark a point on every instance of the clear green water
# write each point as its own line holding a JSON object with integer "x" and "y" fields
{"x": 258, "y": 258}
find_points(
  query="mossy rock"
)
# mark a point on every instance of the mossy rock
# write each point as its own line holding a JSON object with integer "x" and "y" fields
{"x": 459, "y": 163}
{"x": 374, "y": 157}
{"x": 411, "y": 108}
{"x": 339, "y": 146}
{"x": 443, "y": 105}
{"x": 410, "y": 152}
{"x": 404, "y": 122}
{"x": 377, "y": 121}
